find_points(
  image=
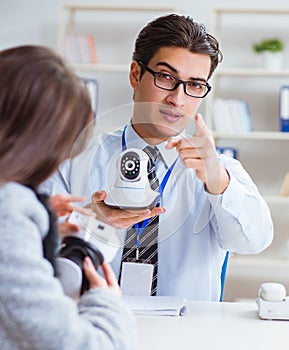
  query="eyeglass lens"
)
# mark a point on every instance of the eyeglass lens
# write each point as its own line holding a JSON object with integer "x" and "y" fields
{"x": 168, "y": 82}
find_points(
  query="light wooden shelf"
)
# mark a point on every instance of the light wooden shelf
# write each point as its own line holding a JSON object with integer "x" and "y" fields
{"x": 124, "y": 8}
{"x": 251, "y": 10}
{"x": 100, "y": 67}
{"x": 251, "y": 72}
{"x": 258, "y": 261}
{"x": 253, "y": 135}
{"x": 276, "y": 200}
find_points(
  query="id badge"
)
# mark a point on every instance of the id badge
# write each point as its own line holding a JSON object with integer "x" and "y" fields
{"x": 136, "y": 278}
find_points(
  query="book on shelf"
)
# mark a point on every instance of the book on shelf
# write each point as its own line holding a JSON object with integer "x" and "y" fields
{"x": 92, "y": 88}
{"x": 231, "y": 115}
{"x": 284, "y": 108}
{"x": 80, "y": 48}
{"x": 284, "y": 192}
{"x": 156, "y": 305}
{"x": 228, "y": 151}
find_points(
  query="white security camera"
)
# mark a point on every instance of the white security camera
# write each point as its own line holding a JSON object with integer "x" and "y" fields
{"x": 132, "y": 189}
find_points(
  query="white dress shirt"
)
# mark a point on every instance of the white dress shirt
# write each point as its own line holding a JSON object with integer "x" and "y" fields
{"x": 197, "y": 228}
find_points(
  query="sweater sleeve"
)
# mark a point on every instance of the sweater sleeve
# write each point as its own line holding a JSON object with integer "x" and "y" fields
{"x": 34, "y": 313}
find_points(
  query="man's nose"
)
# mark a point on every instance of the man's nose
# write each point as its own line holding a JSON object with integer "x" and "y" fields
{"x": 176, "y": 97}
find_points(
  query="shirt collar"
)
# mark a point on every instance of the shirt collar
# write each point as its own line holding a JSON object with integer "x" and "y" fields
{"x": 132, "y": 139}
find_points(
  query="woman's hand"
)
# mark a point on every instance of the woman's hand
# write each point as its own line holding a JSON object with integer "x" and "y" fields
{"x": 63, "y": 206}
{"x": 109, "y": 280}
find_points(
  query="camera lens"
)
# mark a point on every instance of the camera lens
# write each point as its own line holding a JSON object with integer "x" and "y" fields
{"x": 129, "y": 165}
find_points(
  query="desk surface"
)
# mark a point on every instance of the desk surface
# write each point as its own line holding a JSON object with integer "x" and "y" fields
{"x": 212, "y": 325}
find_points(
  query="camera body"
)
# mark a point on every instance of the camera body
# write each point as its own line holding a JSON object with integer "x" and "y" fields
{"x": 96, "y": 240}
{"x": 132, "y": 188}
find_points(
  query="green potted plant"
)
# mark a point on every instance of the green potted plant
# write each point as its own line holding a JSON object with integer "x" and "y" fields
{"x": 272, "y": 52}
{"x": 271, "y": 45}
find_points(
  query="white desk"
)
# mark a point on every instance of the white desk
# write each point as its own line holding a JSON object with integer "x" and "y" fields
{"x": 213, "y": 326}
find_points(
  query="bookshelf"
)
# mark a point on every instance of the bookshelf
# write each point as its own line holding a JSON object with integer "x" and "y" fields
{"x": 69, "y": 21}
{"x": 114, "y": 29}
{"x": 263, "y": 150}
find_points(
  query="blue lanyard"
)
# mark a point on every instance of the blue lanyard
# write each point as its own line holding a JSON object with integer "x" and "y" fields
{"x": 139, "y": 230}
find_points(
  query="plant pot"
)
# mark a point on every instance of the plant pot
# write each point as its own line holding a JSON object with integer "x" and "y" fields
{"x": 273, "y": 60}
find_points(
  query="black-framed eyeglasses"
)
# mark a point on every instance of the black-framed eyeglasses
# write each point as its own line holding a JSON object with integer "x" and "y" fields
{"x": 165, "y": 81}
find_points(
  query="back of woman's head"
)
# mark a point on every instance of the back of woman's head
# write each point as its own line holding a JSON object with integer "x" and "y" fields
{"x": 43, "y": 109}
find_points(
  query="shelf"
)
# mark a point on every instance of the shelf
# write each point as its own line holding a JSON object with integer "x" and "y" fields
{"x": 246, "y": 272}
{"x": 257, "y": 261}
{"x": 248, "y": 10}
{"x": 253, "y": 135}
{"x": 100, "y": 67}
{"x": 276, "y": 200}
{"x": 68, "y": 20}
{"x": 251, "y": 72}
{"x": 124, "y": 8}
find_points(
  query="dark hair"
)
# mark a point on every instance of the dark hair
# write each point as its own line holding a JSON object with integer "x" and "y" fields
{"x": 44, "y": 107}
{"x": 176, "y": 31}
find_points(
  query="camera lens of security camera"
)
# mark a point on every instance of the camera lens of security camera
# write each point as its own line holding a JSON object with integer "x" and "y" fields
{"x": 130, "y": 165}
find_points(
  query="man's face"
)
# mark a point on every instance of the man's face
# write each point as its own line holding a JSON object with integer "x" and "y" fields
{"x": 160, "y": 114}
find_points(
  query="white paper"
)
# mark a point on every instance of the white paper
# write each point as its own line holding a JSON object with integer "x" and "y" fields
{"x": 156, "y": 305}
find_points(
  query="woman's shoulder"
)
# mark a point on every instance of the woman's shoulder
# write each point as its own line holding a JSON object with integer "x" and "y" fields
{"x": 16, "y": 199}
{"x": 16, "y": 192}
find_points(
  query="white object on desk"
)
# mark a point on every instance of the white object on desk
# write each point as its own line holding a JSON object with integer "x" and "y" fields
{"x": 156, "y": 305}
{"x": 272, "y": 302}
{"x": 212, "y": 326}
{"x": 272, "y": 292}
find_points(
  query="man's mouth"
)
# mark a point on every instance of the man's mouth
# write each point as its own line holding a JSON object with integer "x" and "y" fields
{"x": 171, "y": 116}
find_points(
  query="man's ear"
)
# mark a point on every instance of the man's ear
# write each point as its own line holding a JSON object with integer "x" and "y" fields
{"x": 134, "y": 75}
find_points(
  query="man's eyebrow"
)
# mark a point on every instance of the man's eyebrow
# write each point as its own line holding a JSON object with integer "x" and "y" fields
{"x": 161, "y": 63}
{"x": 168, "y": 66}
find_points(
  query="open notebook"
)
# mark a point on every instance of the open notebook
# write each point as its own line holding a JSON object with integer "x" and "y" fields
{"x": 156, "y": 305}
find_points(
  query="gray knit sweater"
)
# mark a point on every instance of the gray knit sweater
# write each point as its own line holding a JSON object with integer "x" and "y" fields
{"x": 34, "y": 312}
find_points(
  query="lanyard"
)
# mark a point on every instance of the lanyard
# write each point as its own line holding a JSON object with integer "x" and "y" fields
{"x": 139, "y": 229}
